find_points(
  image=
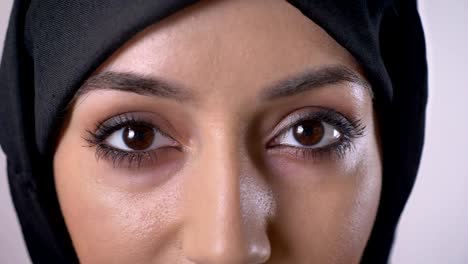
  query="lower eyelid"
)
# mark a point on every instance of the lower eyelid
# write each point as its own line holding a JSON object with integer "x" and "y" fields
{"x": 131, "y": 160}
{"x": 335, "y": 151}
{"x": 297, "y": 153}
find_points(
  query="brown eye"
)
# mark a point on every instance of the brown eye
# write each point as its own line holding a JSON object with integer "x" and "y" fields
{"x": 138, "y": 137}
{"x": 309, "y": 132}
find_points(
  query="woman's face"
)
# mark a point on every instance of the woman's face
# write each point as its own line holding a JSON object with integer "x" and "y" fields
{"x": 231, "y": 132}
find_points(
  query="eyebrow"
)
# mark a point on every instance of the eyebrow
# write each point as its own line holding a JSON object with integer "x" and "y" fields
{"x": 313, "y": 78}
{"x": 305, "y": 81}
{"x": 135, "y": 83}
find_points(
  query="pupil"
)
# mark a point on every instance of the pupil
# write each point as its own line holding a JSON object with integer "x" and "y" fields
{"x": 138, "y": 137}
{"x": 309, "y": 132}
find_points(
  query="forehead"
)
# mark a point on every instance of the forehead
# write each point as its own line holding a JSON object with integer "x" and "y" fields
{"x": 225, "y": 46}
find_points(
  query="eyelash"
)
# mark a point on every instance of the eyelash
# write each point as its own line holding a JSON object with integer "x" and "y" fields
{"x": 116, "y": 156}
{"x": 350, "y": 129}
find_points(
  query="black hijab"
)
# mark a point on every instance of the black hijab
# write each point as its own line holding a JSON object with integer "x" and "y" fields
{"x": 53, "y": 45}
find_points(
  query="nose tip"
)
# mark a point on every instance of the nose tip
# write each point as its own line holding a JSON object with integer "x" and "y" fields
{"x": 228, "y": 252}
{"x": 226, "y": 246}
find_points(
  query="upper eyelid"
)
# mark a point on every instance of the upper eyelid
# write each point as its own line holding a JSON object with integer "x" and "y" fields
{"x": 286, "y": 122}
{"x": 324, "y": 112}
{"x": 122, "y": 125}
{"x": 152, "y": 119}
{"x": 119, "y": 119}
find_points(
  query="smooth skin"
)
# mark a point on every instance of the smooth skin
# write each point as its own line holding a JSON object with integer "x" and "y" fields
{"x": 221, "y": 196}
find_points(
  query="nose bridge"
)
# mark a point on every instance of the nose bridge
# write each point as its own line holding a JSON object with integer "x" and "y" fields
{"x": 222, "y": 223}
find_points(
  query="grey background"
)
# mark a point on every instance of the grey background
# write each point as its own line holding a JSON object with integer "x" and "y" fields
{"x": 434, "y": 226}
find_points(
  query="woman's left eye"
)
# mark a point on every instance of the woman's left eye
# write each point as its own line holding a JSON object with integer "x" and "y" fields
{"x": 309, "y": 134}
{"x": 138, "y": 138}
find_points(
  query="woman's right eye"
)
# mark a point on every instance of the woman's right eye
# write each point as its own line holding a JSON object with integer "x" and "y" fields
{"x": 138, "y": 138}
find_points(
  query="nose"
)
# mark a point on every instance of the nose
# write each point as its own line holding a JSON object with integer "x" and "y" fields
{"x": 226, "y": 210}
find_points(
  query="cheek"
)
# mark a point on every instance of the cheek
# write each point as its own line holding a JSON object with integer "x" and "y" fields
{"x": 325, "y": 212}
{"x": 107, "y": 223}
